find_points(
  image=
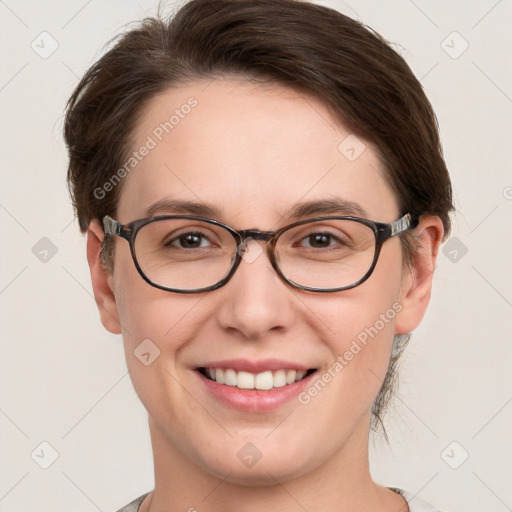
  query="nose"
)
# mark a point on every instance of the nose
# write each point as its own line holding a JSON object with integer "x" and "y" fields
{"x": 256, "y": 302}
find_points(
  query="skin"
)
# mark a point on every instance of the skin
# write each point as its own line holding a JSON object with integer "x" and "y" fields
{"x": 253, "y": 151}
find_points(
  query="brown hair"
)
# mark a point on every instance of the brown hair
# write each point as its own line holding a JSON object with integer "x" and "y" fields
{"x": 308, "y": 47}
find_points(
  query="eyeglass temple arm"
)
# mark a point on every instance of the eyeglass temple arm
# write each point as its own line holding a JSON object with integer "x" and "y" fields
{"x": 111, "y": 226}
{"x": 402, "y": 224}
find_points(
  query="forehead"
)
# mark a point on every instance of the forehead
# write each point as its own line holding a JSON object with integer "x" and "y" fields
{"x": 252, "y": 151}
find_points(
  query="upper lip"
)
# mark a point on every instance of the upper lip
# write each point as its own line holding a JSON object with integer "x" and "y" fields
{"x": 245, "y": 365}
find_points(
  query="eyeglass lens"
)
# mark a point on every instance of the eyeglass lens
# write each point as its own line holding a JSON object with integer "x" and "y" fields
{"x": 188, "y": 254}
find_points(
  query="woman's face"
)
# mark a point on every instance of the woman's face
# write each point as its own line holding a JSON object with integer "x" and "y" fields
{"x": 254, "y": 153}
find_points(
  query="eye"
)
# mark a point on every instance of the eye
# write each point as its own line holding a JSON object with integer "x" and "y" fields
{"x": 190, "y": 240}
{"x": 320, "y": 240}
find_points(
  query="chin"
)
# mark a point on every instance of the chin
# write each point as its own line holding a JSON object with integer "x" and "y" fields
{"x": 241, "y": 463}
{"x": 261, "y": 475}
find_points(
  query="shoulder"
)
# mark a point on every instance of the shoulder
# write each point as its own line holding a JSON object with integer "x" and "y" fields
{"x": 134, "y": 505}
{"x": 416, "y": 504}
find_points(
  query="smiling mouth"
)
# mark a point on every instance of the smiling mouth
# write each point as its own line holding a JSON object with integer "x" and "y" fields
{"x": 261, "y": 381}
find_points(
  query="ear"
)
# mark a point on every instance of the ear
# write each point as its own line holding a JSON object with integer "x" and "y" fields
{"x": 102, "y": 281}
{"x": 417, "y": 281}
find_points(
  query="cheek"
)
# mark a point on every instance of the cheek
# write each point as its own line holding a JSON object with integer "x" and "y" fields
{"x": 365, "y": 312}
{"x": 344, "y": 390}
{"x": 146, "y": 311}
{"x": 155, "y": 325}
{"x": 362, "y": 344}
{"x": 359, "y": 327}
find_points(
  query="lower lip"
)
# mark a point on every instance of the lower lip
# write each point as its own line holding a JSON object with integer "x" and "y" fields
{"x": 255, "y": 400}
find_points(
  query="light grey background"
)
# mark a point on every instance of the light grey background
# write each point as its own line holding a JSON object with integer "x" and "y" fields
{"x": 63, "y": 378}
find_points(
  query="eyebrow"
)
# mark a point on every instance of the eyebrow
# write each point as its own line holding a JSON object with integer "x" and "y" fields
{"x": 183, "y": 207}
{"x": 333, "y": 206}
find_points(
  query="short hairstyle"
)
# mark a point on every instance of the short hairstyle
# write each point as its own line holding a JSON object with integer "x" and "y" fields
{"x": 313, "y": 49}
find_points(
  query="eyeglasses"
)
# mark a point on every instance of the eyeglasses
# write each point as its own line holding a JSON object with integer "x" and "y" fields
{"x": 187, "y": 254}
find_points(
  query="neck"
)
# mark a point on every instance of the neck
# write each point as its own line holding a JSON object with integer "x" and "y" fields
{"x": 342, "y": 483}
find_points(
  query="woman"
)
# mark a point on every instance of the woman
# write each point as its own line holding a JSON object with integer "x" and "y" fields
{"x": 275, "y": 171}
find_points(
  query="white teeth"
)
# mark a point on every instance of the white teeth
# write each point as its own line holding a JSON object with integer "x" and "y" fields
{"x": 230, "y": 377}
{"x": 300, "y": 375}
{"x": 245, "y": 380}
{"x": 279, "y": 378}
{"x": 290, "y": 376}
{"x": 219, "y": 376}
{"x": 262, "y": 381}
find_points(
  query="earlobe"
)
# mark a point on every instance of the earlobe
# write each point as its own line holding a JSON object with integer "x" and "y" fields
{"x": 101, "y": 280}
{"x": 417, "y": 282}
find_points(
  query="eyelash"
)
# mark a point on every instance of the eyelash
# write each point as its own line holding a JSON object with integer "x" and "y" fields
{"x": 177, "y": 238}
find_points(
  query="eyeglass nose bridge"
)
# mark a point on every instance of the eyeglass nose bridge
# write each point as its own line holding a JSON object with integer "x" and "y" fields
{"x": 247, "y": 235}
